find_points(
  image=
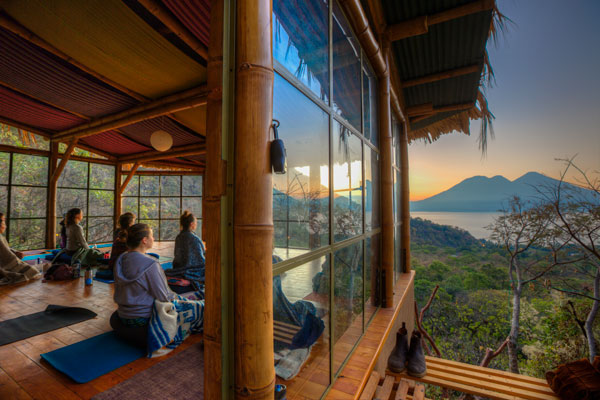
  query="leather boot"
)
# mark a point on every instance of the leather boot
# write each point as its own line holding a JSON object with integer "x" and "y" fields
{"x": 397, "y": 360}
{"x": 416, "y": 357}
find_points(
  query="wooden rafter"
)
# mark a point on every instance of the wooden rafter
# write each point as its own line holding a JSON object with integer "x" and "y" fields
{"x": 428, "y": 109}
{"x": 164, "y": 16}
{"x": 441, "y": 76}
{"x": 420, "y": 25}
{"x": 177, "y": 102}
{"x": 63, "y": 162}
{"x": 130, "y": 174}
{"x": 153, "y": 155}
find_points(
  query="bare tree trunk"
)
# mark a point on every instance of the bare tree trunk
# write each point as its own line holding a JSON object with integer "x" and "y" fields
{"x": 514, "y": 331}
{"x": 589, "y": 322}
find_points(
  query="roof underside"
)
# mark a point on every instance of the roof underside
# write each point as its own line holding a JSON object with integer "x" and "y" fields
{"x": 64, "y": 64}
{"x": 447, "y": 46}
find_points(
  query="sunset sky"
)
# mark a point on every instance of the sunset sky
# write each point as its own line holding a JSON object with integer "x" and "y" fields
{"x": 546, "y": 101}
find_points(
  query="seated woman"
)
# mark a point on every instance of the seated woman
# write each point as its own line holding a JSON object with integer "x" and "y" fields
{"x": 74, "y": 231}
{"x": 189, "y": 262}
{"x": 120, "y": 238}
{"x": 12, "y": 268}
{"x": 139, "y": 280}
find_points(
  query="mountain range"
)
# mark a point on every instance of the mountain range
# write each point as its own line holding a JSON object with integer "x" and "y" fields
{"x": 483, "y": 194}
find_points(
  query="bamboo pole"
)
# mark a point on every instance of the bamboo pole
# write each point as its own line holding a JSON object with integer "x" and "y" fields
{"x": 128, "y": 179}
{"x": 52, "y": 187}
{"x": 51, "y": 211}
{"x": 213, "y": 190}
{"x": 441, "y": 76}
{"x": 181, "y": 151}
{"x": 164, "y": 16}
{"x": 405, "y": 200}
{"x": 253, "y": 200}
{"x": 387, "y": 190}
{"x": 429, "y": 109}
{"x": 181, "y": 101}
{"x": 420, "y": 25}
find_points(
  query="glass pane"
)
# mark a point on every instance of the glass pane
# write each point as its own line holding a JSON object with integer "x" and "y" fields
{"x": 281, "y": 237}
{"x": 153, "y": 223}
{"x": 4, "y": 169}
{"x": 297, "y": 293}
{"x": 302, "y": 194}
{"x": 74, "y": 175}
{"x": 370, "y": 119}
{"x": 372, "y": 188}
{"x": 149, "y": 185}
{"x": 348, "y": 301}
{"x": 12, "y": 137}
{"x": 27, "y": 234}
{"x": 100, "y": 230}
{"x": 300, "y": 42}
{"x": 102, "y": 176}
{"x": 129, "y": 204}
{"x": 170, "y": 186}
{"x": 346, "y": 69}
{"x": 192, "y": 185}
{"x": 28, "y": 202}
{"x": 193, "y": 205}
{"x": 29, "y": 170}
{"x": 373, "y": 262}
{"x": 347, "y": 183}
{"x": 397, "y": 253}
{"x": 397, "y": 195}
{"x": 3, "y": 199}
{"x": 101, "y": 203}
{"x": 133, "y": 187}
{"x": 70, "y": 198}
{"x": 148, "y": 207}
{"x": 168, "y": 229}
{"x": 169, "y": 207}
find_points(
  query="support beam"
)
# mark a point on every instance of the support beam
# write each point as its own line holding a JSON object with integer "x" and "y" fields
{"x": 163, "y": 15}
{"x": 420, "y": 25}
{"x": 118, "y": 197}
{"x": 428, "y": 109}
{"x": 471, "y": 69}
{"x": 128, "y": 179}
{"x": 63, "y": 161}
{"x": 387, "y": 190}
{"x": 404, "y": 200}
{"x": 253, "y": 220}
{"x": 181, "y": 151}
{"x": 163, "y": 172}
{"x": 180, "y": 101}
{"x": 52, "y": 186}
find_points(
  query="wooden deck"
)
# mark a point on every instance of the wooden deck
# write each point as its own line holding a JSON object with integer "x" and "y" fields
{"x": 23, "y": 375}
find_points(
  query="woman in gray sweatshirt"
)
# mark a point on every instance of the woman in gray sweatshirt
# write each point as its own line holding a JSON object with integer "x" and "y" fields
{"x": 74, "y": 231}
{"x": 139, "y": 280}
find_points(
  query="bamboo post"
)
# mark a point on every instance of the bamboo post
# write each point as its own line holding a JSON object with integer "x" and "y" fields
{"x": 387, "y": 187}
{"x": 118, "y": 198}
{"x": 52, "y": 186}
{"x": 404, "y": 199}
{"x": 129, "y": 178}
{"x": 213, "y": 190}
{"x": 253, "y": 203}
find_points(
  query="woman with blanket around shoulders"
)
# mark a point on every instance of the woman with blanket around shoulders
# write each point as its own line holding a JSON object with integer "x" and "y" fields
{"x": 189, "y": 261}
{"x": 12, "y": 268}
{"x": 140, "y": 288}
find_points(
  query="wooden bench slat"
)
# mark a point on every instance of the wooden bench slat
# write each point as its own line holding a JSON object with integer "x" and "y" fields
{"x": 384, "y": 391}
{"x": 401, "y": 393}
{"x": 370, "y": 387}
{"x": 494, "y": 379}
{"x": 419, "y": 392}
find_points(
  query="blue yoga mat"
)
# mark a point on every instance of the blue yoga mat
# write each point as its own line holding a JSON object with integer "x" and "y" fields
{"x": 93, "y": 357}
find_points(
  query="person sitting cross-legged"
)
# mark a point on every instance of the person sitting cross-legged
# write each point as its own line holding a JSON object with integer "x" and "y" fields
{"x": 12, "y": 268}
{"x": 189, "y": 261}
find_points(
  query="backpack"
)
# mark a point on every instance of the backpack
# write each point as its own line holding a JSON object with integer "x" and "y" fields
{"x": 59, "y": 272}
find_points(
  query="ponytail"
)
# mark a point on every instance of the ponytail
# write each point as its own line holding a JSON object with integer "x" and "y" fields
{"x": 186, "y": 220}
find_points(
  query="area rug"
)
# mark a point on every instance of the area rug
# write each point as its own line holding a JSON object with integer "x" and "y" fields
{"x": 180, "y": 377}
{"x": 93, "y": 357}
{"x": 54, "y": 317}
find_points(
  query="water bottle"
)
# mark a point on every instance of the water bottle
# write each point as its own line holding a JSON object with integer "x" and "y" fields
{"x": 88, "y": 277}
{"x": 280, "y": 392}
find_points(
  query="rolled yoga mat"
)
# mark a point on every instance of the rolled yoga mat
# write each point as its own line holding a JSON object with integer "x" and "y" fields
{"x": 54, "y": 317}
{"x": 93, "y": 357}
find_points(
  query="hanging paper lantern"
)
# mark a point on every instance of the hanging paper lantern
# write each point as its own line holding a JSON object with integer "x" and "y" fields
{"x": 161, "y": 140}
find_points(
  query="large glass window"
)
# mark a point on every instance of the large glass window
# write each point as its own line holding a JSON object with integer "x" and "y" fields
{"x": 159, "y": 201}
{"x": 91, "y": 187}
{"x": 372, "y": 190}
{"x": 301, "y": 196}
{"x": 398, "y": 256}
{"x": 371, "y": 127}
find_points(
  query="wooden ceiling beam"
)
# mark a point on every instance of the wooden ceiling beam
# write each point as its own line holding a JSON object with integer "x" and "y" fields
{"x": 63, "y": 163}
{"x": 177, "y": 102}
{"x": 181, "y": 151}
{"x": 441, "y": 76}
{"x": 420, "y": 25}
{"x": 429, "y": 110}
{"x": 164, "y": 16}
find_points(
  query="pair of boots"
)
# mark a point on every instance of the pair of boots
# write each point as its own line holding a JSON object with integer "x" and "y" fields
{"x": 412, "y": 359}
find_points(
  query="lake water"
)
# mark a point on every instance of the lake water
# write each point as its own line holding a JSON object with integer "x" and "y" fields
{"x": 473, "y": 222}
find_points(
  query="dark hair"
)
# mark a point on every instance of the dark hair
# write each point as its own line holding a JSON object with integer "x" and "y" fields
{"x": 125, "y": 221}
{"x": 1, "y": 215}
{"x": 136, "y": 233}
{"x": 70, "y": 216}
{"x": 186, "y": 220}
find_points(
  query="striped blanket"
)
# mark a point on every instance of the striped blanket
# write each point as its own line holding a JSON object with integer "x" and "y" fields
{"x": 171, "y": 322}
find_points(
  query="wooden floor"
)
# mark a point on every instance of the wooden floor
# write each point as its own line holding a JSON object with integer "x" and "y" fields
{"x": 23, "y": 375}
